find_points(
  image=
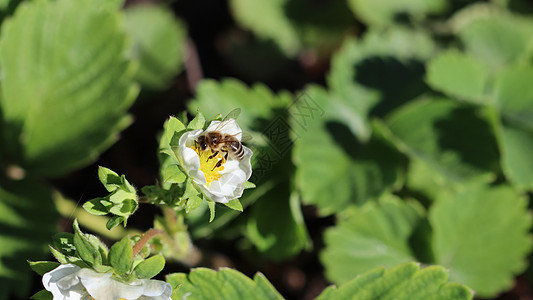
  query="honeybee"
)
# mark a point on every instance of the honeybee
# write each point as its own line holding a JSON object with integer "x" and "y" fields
{"x": 221, "y": 142}
{"x": 217, "y": 141}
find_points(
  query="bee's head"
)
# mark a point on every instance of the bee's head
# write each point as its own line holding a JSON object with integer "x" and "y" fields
{"x": 213, "y": 137}
{"x": 202, "y": 144}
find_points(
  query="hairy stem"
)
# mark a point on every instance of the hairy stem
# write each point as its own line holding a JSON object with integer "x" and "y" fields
{"x": 144, "y": 239}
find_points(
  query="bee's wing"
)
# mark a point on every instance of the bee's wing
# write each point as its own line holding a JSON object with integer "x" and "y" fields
{"x": 234, "y": 114}
{"x": 246, "y": 137}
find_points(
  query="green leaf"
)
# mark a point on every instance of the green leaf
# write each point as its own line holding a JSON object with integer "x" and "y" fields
{"x": 378, "y": 72}
{"x": 514, "y": 125}
{"x": 373, "y": 235}
{"x": 150, "y": 267}
{"x": 116, "y": 4}
{"x": 331, "y": 161}
{"x": 459, "y": 75}
{"x": 28, "y": 219}
{"x": 66, "y": 85}
{"x": 197, "y": 123}
{"x": 383, "y": 12}
{"x": 202, "y": 283}
{"x": 514, "y": 93}
{"x": 493, "y": 36}
{"x": 121, "y": 256}
{"x": 159, "y": 40}
{"x": 85, "y": 249}
{"x": 109, "y": 179}
{"x": 276, "y": 26}
{"x": 295, "y": 25}
{"x": 235, "y": 204}
{"x": 174, "y": 174}
{"x": 42, "y": 267}
{"x": 482, "y": 235}
{"x": 284, "y": 237}
{"x": 403, "y": 282}
{"x": 42, "y": 295}
{"x": 220, "y": 97}
{"x": 452, "y": 140}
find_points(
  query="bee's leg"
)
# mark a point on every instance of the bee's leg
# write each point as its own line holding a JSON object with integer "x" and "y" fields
{"x": 226, "y": 156}
{"x": 212, "y": 156}
{"x": 219, "y": 163}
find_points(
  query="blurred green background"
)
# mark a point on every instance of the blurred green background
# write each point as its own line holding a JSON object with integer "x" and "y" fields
{"x": 384, "y": 131}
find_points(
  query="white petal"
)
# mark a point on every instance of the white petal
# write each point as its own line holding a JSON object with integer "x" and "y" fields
{"x": 245, "y": 164}
{"x": 188, "y": 138}
{"x": 228, "y": 126}
{"x": 62, "y": 282}
{"x": 215, "y": 197}
{"x": 156, "y": 289}
{"x": 102, "y": 287}
{"x": 230, "y": 185}
{"x": 191, "y": 163}
{"x": 189, "y": 157}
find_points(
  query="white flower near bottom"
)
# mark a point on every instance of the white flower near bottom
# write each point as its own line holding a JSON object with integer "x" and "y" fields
{"x": 70, "y": 282}
{"x": 219, "y": 183}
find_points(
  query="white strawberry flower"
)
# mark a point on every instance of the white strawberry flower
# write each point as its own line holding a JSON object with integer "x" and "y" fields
{"x": 223, "y": 182}
{"x": 70, "y": 282}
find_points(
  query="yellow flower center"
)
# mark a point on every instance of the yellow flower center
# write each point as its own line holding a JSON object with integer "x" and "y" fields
{"x": 210, "y": 164}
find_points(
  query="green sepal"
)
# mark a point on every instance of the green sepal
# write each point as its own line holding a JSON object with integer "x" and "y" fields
{"x": 174, "y": 174}
{"x": 150, "y": 267}
{"x": 102, "y": 268}
{"x": 66, "y": 259}
{"x": 112, "y": 181}
{"x": 197, "y": 123}
{"x": 190, "y": 190}
{"x": 97, "y": 206}
{"x": 127, "y": 186}
{"x": 217, "y": 117}
{"x": 151, "y": 192}
{"x": 172, "y": 127}
{"x": 109, "y": 179}
{"x": 119, "y": 196}
{"x": 211, "y": 205}
{"x": 64, "y": 243}
{"x": 193, "y": 203}
{"x": 248, "y": 185}
{"x": 102, "y": 248}
{"x": 234, "y": 204}
{"x": 171, "y": 154}
{"x": 124, "y": 208}
{"x": 88, "y": 252}
{"x": 62, "y": 258}
{"x": 42, "y": 267}
{"x": 114, "y": 221}
{"x": 42, "y": 295}
{"x": 121, "y": 256}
